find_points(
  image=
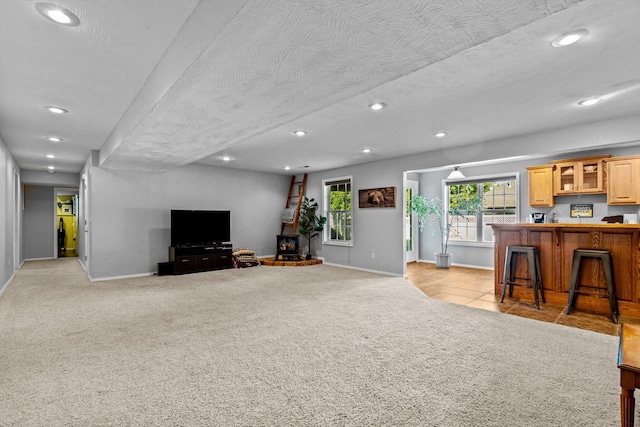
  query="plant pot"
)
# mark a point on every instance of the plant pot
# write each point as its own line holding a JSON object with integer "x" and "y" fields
{"x": 443, "y": 260}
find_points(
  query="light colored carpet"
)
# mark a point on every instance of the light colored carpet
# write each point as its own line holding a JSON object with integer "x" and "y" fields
{"x": 309, "y": 346}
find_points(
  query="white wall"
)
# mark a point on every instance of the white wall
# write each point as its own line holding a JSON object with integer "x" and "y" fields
{"x": 10, "y": 216}
{"x": 375, "y": 230}
{"x": 129, "y": 222}
{"x": 58, "y": 179}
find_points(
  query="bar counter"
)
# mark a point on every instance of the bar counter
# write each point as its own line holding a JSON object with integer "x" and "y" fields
{"x": 556, "y": 243}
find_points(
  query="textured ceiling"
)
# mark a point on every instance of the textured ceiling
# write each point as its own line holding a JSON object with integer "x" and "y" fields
{"x": 196, "y": 80}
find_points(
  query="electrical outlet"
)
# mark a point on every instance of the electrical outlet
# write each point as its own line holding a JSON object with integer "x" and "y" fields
{"x": 373, "y": 255}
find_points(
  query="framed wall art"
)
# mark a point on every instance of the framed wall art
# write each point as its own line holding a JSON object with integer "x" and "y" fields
{"x": 383, "y": 197}
{"x": 584, "y": 210}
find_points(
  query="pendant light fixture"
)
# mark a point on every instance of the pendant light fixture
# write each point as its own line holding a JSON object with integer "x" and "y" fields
{"x": 456, "y": 174}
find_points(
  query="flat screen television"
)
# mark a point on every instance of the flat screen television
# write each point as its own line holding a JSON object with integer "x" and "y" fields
{"x": 191, "y": 228}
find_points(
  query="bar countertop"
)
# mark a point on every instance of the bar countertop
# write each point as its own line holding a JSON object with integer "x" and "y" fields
{"x": 556, "y": 243}
{"x": 567, "y": 225}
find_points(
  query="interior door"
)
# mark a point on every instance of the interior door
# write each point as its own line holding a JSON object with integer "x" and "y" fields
{"x": 16, "y": 220}
{"x": 410, "y": 223}
{"x": 85, "y": 246}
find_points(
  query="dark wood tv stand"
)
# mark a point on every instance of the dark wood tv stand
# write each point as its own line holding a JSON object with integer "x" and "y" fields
{"x": 193, "y": 259}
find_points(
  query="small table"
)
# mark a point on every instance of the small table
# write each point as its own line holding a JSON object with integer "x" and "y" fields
{"x": 629, "y": 364}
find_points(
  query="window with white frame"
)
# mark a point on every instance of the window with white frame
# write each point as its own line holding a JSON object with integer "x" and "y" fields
{"x": 499, "y": 205}
{"x": 337, "y": 196}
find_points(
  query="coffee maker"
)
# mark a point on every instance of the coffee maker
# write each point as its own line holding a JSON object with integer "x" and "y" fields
{"x": 537, "y": 218}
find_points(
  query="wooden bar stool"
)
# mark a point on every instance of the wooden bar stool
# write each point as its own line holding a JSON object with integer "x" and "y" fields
{"x": 535, "y": 275}
{"x": 607, "y": 266}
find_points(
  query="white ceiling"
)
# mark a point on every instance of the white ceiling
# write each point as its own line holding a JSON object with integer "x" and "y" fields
{"x": 156, "y": 84}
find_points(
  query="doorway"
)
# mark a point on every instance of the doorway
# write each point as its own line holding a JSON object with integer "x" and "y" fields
{"x": 410, "y": 223}
{"x": 66, "y": 223}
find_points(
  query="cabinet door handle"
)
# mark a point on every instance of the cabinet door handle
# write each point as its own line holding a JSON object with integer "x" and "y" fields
{"x": 184, "y": 260}
{"x": 204, "y": 259}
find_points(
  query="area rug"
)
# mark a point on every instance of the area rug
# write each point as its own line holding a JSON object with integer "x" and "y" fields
{"x": 275, "y": 346}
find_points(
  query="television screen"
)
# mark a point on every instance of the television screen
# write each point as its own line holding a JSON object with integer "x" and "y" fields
{"x": 190, "y": 227}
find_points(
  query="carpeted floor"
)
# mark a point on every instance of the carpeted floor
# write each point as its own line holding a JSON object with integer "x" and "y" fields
{"x": 272, "y": 346}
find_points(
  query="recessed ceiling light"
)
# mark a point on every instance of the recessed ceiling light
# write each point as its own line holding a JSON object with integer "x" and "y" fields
{"x": 50, "y": 156}
{"x": 299, "y": 132}
{"x": 589, "y": 101}
{"x": 54, "y": 139}
{"x": 440, "y": 134}
{"x": 57, "y": 14}
{"x": 569, "y": 38}
{"x": 56, "y": 110}
{"x": 51, "y": 167}
{"x": 367, "y": 150}
{"x": 225, "y": 158}
{"x": 287, "y": 168}
{"x": 377, "y": 106}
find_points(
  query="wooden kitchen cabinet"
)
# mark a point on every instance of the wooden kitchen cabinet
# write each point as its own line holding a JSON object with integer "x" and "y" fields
{"x": 541, "y": 185}
{"x": 585, "y": 175}
{"x": 623, "y": 180}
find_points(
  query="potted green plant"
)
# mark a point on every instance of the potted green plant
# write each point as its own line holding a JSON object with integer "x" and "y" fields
{"x": 310, "y": 224}
{"x": 463, "y": 207}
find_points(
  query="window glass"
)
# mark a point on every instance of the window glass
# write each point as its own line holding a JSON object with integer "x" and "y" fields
{"x": 499, "y": 206}
{"x": 408, "y": 221}
{"x": 338, "y": 203}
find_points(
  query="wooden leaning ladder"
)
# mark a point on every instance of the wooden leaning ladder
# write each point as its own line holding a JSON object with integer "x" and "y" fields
{"x": 294, "y": 201}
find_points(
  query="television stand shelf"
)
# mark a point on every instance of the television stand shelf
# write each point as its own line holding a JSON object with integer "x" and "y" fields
{"x": 193, "y": 259}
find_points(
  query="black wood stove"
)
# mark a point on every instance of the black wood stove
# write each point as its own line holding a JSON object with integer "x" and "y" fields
{"x": 288, "y": 246}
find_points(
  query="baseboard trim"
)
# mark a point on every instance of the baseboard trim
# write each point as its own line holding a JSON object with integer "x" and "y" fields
{"x": 6, "y": 285}
{"x": 454, "y": 264}
{"x": 82, "y": 265}
{"x": 386, "y": 273}
{"x": 126, "y": 276}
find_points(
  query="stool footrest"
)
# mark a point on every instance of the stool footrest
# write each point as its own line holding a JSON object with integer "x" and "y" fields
{"x": 510, "y": 282}
{"x": 600, "y": 294}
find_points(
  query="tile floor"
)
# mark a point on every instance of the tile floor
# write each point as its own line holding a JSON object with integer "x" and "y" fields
{"x": 474, "y": 287}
